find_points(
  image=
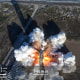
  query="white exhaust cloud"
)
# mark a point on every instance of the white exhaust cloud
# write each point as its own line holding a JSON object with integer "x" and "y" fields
{"x": 36, "y": 35}
{"x": 58, "y": 40}
{"x": 25, "y": 54}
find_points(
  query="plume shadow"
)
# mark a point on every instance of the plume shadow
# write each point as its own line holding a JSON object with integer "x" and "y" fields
{"x": 51, "y": 28}
{"x": 32, "y": 25}
{"x": 13, "y": 30}
{"x": 63, "y": 49}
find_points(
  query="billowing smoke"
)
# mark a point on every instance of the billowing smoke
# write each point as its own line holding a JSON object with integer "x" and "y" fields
{"x": 58, "y": 40}
{"x": 24, "y": 55}
{"x": 37, "y": 36}
{"x": 28, "y": 55}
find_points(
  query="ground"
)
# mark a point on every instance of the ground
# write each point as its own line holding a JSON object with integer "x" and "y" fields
{"x": 51, "y": 19}
{"x": 10, "y": 26}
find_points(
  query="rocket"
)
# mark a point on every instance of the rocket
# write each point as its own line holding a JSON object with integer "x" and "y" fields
{"x": 41, "y": 54}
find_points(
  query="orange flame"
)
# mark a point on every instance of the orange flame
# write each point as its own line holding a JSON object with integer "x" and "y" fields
{"x": 47, "y": 58}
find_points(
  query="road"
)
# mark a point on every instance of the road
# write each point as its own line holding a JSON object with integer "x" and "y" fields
{"x": 47, "y": 0}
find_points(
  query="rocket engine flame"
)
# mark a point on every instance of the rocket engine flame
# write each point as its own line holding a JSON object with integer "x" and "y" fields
{"x": 29, "y": 55}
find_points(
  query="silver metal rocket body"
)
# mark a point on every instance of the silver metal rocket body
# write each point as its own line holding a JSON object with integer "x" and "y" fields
{"x": 41, "y": 55}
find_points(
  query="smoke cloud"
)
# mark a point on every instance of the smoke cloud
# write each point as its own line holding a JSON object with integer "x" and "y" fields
{"x": 65, "y": 62}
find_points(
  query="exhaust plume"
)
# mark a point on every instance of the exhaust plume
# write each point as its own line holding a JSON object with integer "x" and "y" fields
{"x": 28, "y": 55}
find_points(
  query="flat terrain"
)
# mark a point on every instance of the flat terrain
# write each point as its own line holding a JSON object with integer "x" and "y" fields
{"x": 52, "y": 20}
{"x": 11, "y": 26}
